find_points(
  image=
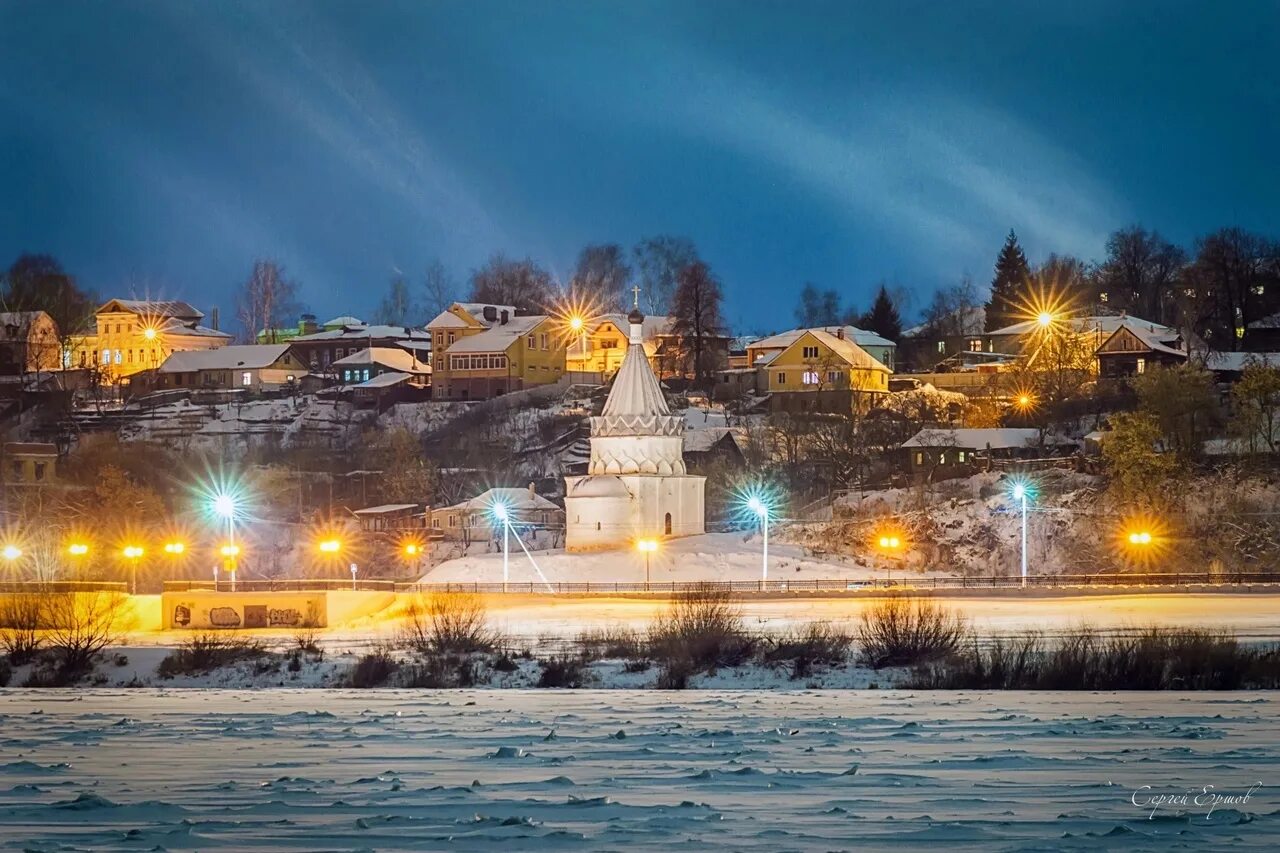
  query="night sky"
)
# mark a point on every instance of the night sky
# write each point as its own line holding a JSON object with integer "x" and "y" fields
{"x": 158, "y": 148}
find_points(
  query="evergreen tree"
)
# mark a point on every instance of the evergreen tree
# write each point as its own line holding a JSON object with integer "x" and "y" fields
{"x": 1009, "y": 287}
{"x": 883, "y": 317}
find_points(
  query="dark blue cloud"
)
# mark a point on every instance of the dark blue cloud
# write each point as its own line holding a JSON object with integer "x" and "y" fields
{"x": 161, "y": 147}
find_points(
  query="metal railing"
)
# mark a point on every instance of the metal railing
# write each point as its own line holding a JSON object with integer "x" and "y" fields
{"x": 62, "y": 586}
{"x": 292, "y": 585}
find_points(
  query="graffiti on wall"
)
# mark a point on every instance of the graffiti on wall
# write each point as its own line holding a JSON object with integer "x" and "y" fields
{"x": 224, "y": 617}
{"x": 182, "y": 615}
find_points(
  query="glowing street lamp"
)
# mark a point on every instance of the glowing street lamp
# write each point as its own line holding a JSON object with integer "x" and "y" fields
{"x": 330, "y": 546}
{"x": 890, "y": 543}
{"x": 149, "y": 333}
{"x": 1021, "y": 492}
{"x": 757, "y": 505}
{"x": 646, "y": 547}
{"x": 1044, "y": 319}
{"x": 77, "y": 549}
{"x": 11, "y": 552}
{"x": 502, "y": 513}
{"x": 133, "y": 553}
{"x": 1140, "y": 537}
{"x": 175, "y": 549}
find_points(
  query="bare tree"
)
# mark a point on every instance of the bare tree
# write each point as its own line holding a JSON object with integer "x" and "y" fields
{"x": 265, "y": 299}
{"x": 954, "y": 311}
{"x": 82, "y": 624}
{"x": 396, "y": 308}
{"x": 1234, "y": 279}
{"x": 601, "y": 277}
{"x": 696, "y": 310}
{"x": 439, "y": 290}
{"x": 522, "y": 284}
{"x": 659, "y": 261}
{"x": 1140, "y": 274}
{"x": 20, "y": 623}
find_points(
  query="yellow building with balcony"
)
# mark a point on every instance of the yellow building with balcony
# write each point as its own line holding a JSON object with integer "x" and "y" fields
{"x": 135, "y": 335}
{"x": 482, "y": 351}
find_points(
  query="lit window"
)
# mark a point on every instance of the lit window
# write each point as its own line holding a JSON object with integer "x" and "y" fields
{"x": 960, "y": 456}
{"x": 1142, "y": 365}
{"x": 106, "y": 356}
{"x": 1102, "y": 297}
{"x": 346, "y": 376}
{"x": 919, "y": 457}
{"x": 117, "y": 359}
{"x": 810, "y": 377}
{"x": 975, "y": 345}
{"x": 942, "y": 347}
{"x": 246, "y": 378}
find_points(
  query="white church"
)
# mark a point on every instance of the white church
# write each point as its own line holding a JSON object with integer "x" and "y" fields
{"x": 636, "y": 485}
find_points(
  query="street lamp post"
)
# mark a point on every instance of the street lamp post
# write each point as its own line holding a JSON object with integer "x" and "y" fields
{"x": 1020, "y": 494}
{"x": 133, "y": 553}
{"x": 761, "y": 509}
{"x": 647, "y": 547}
{"x": 503, "y": 514}
{"x": 230, "y": 553}
{"x": 889, "y": 544}
{"x": 354, "y": 569}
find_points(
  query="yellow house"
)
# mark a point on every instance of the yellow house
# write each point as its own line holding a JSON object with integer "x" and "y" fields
{"x": 135, "y": 335}
{"x": 821, "y": 371}
{"x": 481, "y": 351}
{"x": 602, "y": 343}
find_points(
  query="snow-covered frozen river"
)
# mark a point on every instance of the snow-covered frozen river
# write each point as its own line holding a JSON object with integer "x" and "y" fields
{"x": 592, "y": 770}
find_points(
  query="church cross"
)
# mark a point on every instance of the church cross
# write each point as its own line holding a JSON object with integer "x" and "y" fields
{"x": 635, "y": 291}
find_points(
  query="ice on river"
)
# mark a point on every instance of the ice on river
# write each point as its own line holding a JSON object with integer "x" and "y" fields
{"x": 588, "y": 770}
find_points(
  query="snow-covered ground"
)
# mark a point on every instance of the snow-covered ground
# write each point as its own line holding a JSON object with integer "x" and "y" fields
{"x": 710, "y": 557}
{"x": 585, "y": 770}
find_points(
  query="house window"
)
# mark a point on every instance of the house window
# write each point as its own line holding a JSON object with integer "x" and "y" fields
{"x": 452, "y": 338}
{"x": 435, "y": 524}
{"x": 666, "y": 524}
{"x": 609, "y": 344}
{"x": 1142, "y": 365}
{"x": 117, "y": 358}
{"x": 833, "y": 376}
{"x": 39, "y": 470}
{"x": 453, "y": 521}
{"x": 1102, "y": 297}
{"x": 346, "y": 376}
{"x": 246, "y": 378}
{"x": 16, "y": 468}
{"x": 960, "y": 456}
{"x": 942, "y": 458}
{"x": 809, "y": 377}
{"x": 545, "y": 343}
{"x": 782, "y": 379}
{"x": 942, "y": 347}
{"x": 366, "y": 374}
{"x": 810, "y": 352}
{"x": 975, "y": 345}
{"x": 532, "y": 342}
{"x": 129, "y": 356}
{"x": 106, "y": 356}
{"x": 919, "y": 457}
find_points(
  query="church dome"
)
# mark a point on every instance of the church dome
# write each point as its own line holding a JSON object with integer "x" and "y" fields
{"x": 600, "y": 487}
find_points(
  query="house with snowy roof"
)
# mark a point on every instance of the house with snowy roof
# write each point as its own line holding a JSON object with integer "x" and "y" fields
{"x": 1133, "y": 345}
{"x": 133, "y": 335}
{"x": 819, "y": 371}
{"x": 345, "y": 336}
{"x": 473, "y": 520}
{"x": 371, "y": 362}
{"x": 248, "y": 367}
{"x": 482, "y": 351}
{"x": 940, "y": 453}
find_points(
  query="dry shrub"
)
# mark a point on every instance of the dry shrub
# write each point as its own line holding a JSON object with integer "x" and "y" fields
{"x": 819, "y": 643}
{"x": 563, "y": 672}
{"x": 703, "y": 627}
{"x": 82, "y": 624}
{"x": 906, "y": 631}
{"x": 373, "y": 669}
{"x": 304, "y": 640}
{"x": 1152, "y": 659}
{"x": 448, "y": 623}
{"x": 209, "y": 651}
{"x": 20, "y": 623}
{"x": 613, "y": 643}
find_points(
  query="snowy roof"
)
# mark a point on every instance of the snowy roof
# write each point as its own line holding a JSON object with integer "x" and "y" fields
{"x": 498, "y": 337}
{"x": 1153, "y": 336}
{"x": 384, "y": 380}
{"x": 996, "y": 438}
{"x": 515, "y": 499}
{"x": 354, "y": 332}
{"x": 1235, "y": 362}
{"x": 861, "y": 337}
{"x": 1272, "y": 321}
{"x": 344, "y": 320}
{"x": 1104, "y": 323}
{"x": 448, "y": 320}
{"x": 224, "y": 358}
{"x": 385, "y": 508}
{"x": 395, "y": 358}
{"x": 152, "y": 308}
{"x": 704, "y": 439}
{"x": 635, "y": 389}
{"x": 18, "y": 318}
{"x": 192, "y": 330}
